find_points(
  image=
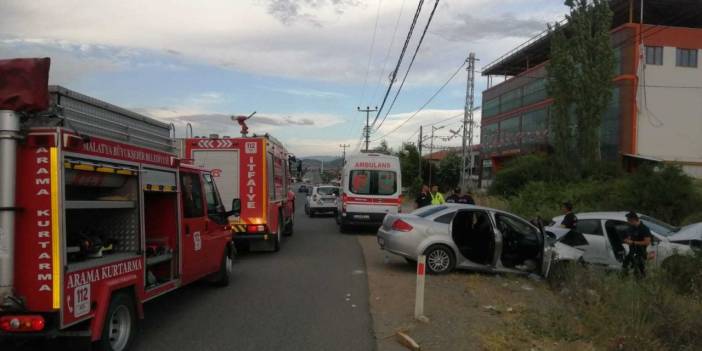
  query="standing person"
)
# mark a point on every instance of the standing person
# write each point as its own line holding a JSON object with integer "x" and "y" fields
{"x": 570, "y": 220}
{"x": 436, "y": 197}
{"x": 455, "y": 197}
{"x": 639, "y": 239}
{"x": 467, "y": 199}
{"x": 424, "y": 197}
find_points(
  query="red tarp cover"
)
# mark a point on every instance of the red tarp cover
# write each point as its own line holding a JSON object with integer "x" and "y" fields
{"x": 24, "y": 84}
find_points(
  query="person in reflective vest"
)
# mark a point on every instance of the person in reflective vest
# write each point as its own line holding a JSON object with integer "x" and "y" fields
{"x": 436, "y": 197}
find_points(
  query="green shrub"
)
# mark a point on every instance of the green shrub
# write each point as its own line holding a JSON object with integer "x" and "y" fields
{"x": 616, "y": 313}
{"x": 519, "y": 172}
{"x": 693, "y": 218}
{"x": 666, "y": 193}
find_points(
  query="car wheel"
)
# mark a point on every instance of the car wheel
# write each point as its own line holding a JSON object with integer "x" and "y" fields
{"x": 440, "y": 259}
{"x": 311, "y": 213}
{"x": 120, "y": 324}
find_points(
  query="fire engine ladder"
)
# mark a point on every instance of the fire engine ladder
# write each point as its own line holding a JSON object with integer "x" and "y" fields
{"x": 91, "y": 116}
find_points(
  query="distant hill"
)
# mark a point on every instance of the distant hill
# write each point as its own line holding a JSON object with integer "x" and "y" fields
{"x": 330, "y": 163}
{"x": 321, "y": 158}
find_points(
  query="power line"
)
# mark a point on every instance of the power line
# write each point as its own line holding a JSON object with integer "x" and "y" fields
{"x": 387, "y": 53}
{"x": 428, "y": 101}
{"x": 409, "y": 67}
{"x": 393, "y": 75}
{"x": 370, "y": 51}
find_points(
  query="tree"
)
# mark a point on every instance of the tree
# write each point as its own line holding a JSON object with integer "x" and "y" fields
{"x": 409, "y": 165}
{"x": 580, "y": 75}
{"x": 450, "y": 171}
{"x": 383, "y": 148}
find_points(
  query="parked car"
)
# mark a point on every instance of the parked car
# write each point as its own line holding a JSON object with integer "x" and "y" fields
{"x": 604, "y": 233}
{"x": 322, "y": 199}
{"x": 474, "y": 238}
{"x": 302, "y": 189}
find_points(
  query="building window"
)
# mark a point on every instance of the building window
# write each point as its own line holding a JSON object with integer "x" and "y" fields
{"x": 511, "y": 100}
{"x": 654, "y": 55}
{"x": 491, "y": 107}
{"x": 686, "y": 58}
{"x": 509, "y": 131}
{"x": 488, "y": 135}
{"x": 535, "y": 91}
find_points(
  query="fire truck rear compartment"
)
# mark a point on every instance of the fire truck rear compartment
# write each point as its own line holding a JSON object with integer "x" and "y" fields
{"x": 102, "y": 212}
{"x": 160, "y": 222}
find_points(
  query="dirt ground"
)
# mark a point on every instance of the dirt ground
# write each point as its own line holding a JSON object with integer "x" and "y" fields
{"x": 466, "y": 311}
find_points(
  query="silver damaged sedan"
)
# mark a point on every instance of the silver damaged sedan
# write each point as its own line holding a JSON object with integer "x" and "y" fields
{"x": 474, "y": 238}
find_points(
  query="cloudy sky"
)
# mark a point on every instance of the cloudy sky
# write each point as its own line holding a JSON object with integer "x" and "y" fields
{"x": 303, "y": 65}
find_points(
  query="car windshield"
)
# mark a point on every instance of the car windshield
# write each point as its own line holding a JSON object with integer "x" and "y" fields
{"x": 327, "y": 190}
{"x": 659, "y": 227}
{"x": 428, "y": 211}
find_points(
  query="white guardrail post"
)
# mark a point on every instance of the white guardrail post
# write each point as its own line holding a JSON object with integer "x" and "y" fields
{"x": 419, "y": 298}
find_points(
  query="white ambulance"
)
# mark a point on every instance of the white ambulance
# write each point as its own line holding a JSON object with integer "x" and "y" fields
{"x": 371, "y": 187}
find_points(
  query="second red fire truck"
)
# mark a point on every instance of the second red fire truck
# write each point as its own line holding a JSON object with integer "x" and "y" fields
{"x": 253, "y": 174}
{"x": 97, "y": 214}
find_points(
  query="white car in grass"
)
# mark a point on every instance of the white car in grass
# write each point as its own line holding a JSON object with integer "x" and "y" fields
{"x": 605, "y": 233}
{"x": 322, "y": 199}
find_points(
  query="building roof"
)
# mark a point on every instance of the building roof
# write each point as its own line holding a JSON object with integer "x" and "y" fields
{"x": 440, "y": 155}
{"x": 674, "y": 13}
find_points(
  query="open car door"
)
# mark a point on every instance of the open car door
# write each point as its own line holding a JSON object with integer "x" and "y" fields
{"x": 474, "y": 235}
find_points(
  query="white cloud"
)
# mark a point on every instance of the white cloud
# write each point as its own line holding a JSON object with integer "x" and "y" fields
{"x": 311, "y": 39}
{"x": 310, "y": 93}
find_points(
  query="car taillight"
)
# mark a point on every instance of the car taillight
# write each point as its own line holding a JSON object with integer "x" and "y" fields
{"x": 344, "y": 199}
{"x": 255, "y": 228}
{"x": 22, "y": 323}
{"x": 401, "y": 226}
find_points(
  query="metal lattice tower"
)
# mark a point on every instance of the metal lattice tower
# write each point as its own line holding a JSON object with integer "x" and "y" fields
{"x": 468, "y": 121}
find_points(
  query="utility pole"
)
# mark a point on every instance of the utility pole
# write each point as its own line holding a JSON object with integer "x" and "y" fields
{"x": 367, "y": 129}
{"x": 343, "y": 147}
{"x": 419, "y": 146}
{"x": 431, "y": 148}
{"x": 468, "y": 122}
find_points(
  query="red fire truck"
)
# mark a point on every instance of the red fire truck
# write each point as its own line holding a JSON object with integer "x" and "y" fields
{"x": 253, "y": 174}
{"x": 97, "y": 215}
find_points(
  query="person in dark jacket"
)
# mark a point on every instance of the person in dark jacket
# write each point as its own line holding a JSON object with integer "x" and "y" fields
{"x": 570, "y": 220}
{"x": 424, "y": 197}
{"x": 638, "y": 239}
{"x": 457, "y": 198}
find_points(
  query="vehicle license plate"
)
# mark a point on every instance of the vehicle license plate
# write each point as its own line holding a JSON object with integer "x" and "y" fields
{"x": 361, "y": 216}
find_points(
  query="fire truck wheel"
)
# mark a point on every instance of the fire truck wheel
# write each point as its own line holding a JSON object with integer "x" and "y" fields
{"x": 120, "y": 324}
{"x": 289, "y": 228}
{"x": 221, "y": 278}
{"x": 278, "y": 235}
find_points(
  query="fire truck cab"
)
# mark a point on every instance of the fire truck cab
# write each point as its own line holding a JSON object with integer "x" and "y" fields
{"x": 254, "y": 176}
{"x": 98, "y": 217}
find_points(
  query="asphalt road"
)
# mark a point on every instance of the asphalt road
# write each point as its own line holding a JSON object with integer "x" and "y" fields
{"x": 295, "y": 299}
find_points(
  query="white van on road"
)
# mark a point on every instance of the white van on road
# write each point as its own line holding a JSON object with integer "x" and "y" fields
{"x": 371, "y": 187}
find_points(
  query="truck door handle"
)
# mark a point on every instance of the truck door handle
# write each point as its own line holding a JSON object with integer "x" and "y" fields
{"x": 187, "y": 229}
